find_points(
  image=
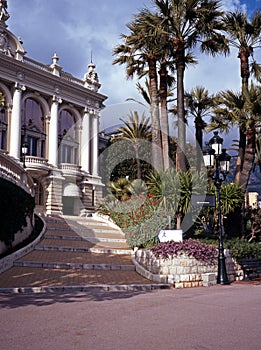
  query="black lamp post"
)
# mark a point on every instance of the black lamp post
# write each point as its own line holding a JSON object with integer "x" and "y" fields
{"x": 24, "y": 152}
{"x": 217, "y": 158}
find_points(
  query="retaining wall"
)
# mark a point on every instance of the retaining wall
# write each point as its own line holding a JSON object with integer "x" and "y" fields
{"x": 182, "y": 271}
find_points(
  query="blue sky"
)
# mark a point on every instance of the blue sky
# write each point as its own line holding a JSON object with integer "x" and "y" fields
{"x": 75, "y": 28}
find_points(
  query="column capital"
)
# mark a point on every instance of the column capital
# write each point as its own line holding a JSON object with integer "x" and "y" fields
{"x": 57, "y": 99}
{"x": 19, "y": 87}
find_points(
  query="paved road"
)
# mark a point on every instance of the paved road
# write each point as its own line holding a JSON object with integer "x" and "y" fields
{"x": 215, "y": 318}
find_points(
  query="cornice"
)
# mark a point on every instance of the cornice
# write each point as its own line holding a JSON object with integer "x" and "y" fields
{"x": 69, "y": 88}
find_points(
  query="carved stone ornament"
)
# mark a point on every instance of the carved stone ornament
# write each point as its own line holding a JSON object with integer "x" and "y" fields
{"x": 4, "y": 15}
{"x": 3, "y": 41}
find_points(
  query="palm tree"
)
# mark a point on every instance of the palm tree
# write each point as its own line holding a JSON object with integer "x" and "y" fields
{"x": 134, "y": 130}
{"x": 188, "y": 23}
{"x": 165, "y": 85}
{"x": 245, "y": 36}
{"x": 199, "y": 105}
{"x": 258, "y": 151}
{"x": 244, "y": 110}
{"x": 141, "y": 50}
{"x": 252, "y": 109}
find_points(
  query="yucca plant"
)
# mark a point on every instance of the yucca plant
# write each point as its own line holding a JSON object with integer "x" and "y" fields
{"x": 173, "y": 191}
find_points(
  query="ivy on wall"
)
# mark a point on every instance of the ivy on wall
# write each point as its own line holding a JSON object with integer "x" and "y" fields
{"x": 15, "y": 206}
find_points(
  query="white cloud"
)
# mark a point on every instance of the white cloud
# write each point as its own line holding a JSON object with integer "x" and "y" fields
{"x": 75, "y": 28}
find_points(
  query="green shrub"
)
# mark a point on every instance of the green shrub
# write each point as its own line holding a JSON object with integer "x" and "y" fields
{"x": 140, "y": 218}
{"x": 240, "y": 249}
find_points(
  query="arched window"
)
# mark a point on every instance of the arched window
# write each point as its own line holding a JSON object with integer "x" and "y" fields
{"x": 3, "y": 122}
{"x": 68, "y": 138}
{"x": 33, "y": 128}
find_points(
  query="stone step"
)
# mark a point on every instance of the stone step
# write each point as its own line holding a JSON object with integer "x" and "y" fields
{"x": 54, "y": 265}
{"x": 81, "y": 245}
{"x": 75, "y": 257}
{"x": 83, "y": 237}
{"x": 117, "y": 243}
{"x": 87, "y": 250}
{"x": 31, "y": 279}
{"x": 86, "y": 232}
{"x": 88, "y": 222}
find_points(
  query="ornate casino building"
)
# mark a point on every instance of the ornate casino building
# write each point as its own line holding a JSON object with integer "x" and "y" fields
{"x": 49, "y": 125}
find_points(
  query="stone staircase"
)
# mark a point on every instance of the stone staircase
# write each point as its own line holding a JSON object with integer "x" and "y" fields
{"x": 77, "y": 253}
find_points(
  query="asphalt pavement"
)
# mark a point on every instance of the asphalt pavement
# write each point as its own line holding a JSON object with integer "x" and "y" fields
{"x": 204, "y": 318}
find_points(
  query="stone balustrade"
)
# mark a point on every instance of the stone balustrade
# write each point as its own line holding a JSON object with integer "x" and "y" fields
{"x": 12, "y": 171}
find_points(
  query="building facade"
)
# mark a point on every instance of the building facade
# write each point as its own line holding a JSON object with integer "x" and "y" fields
{"x": 49, "y": 122}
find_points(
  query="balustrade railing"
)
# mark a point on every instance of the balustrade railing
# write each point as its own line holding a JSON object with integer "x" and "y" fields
{"x": 37, "y": 65}
{"x": 64, "y": 75}
{"x": 70, "y": 167}
{"x": 36, "y": 160}
{"x": 12, "y": 171}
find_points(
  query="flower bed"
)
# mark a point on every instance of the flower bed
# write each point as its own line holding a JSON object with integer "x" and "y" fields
{"x": 183, "y": 264}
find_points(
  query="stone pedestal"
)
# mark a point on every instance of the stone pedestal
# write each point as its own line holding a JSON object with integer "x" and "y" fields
{"x": 54, "y": 183}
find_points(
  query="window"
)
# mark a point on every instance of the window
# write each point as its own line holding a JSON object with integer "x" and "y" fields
{"x": 3, "y": 123}
{"x": 32, "y": 143}
{"x": 33, "y": 128}
{"x": 68, "y": 139}
{"x": 67, "y": 154}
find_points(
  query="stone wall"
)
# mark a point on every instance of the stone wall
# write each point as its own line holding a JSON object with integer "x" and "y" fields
{"x": 7, "y": 262}
{"x": 182, "y": 271}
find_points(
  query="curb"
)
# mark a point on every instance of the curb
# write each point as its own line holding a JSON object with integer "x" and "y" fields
{"x": 75, "y": 266}
{"x": 87, "y": 288}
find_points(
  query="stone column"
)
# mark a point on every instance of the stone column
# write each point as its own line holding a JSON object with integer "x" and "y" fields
{"x": 95, "y": 130}
{"x": 15, "y": 130}
{"x": 85, "y": 142}
{"x": 53, "y": 133}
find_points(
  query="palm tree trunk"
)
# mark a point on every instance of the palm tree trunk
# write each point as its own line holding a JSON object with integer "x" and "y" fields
{"x": 138, "y": 161}
{"x": 164, "y": 115}
{"x": 241, "y": 154}
{"x": 181, "y": 146}
{"x": 157, "y": 161}
{"x": 199, "y": 139}
{"x": 249, "y": 157}
{"x": 243, "y": 55}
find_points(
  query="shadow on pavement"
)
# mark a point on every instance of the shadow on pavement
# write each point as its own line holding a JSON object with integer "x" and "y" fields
{"x": 11, "y": 301}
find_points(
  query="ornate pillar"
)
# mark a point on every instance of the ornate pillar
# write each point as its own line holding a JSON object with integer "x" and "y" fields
{"x": 15, "y": 130}
{"x": 53, "y": 133}
{"x": 54, "y": 181}
{"x": 85, "y": 142}
{"x": 95, "y": 129}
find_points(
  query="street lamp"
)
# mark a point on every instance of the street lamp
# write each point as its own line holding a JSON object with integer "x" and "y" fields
{"x": 24, "y": 152}
{"x": 217, "y": 158}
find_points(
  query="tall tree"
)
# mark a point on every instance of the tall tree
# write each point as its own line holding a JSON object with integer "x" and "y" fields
{"x": 189, "y": 23}
{"x": 244, "y": 35}
{"x": 252, "y": 107}
{"x": 141, "y": 50}
{"x": 244, "y": 110}
{"x": 199, "y": 105}
{"x": 135, "y": 130}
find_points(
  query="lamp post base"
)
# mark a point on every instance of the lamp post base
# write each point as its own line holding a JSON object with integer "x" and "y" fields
{"x": 222, "y": 271}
